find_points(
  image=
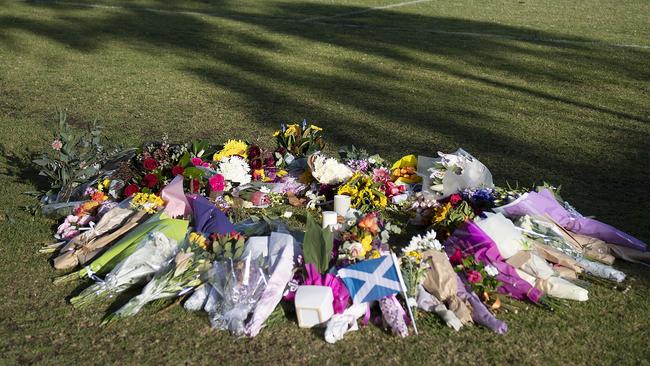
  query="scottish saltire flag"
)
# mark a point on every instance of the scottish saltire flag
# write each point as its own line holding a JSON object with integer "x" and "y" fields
{"x": 371, "y": 279}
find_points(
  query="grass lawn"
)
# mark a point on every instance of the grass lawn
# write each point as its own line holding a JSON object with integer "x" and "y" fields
{"x": 537, "y": 90}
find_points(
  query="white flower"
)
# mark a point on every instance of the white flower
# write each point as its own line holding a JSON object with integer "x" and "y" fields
{"x": 330, "y": 171}
{"x": 491, "y": 270}
{"x": 287, "y": 214}
{"x": 235, "y": 169}
{"x": 265, "y": 190}
{"x": 422, "y": 243}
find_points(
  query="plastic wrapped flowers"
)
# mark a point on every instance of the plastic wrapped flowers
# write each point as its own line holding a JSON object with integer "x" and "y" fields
{"x": 158, "y": 221}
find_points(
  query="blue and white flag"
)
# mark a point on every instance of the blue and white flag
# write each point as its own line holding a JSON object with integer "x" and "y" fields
{"x": 372, "y": 279}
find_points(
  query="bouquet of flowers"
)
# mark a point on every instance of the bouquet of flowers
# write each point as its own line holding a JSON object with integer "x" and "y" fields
{"x": 411, "y": 263}
{"x": 452, "y": 173}
{"x": 365, "y": 194}
{"x": 239, "y": 284}
{"x": 179, "y": 277}
{"x": 149, "y": 256}
{"x": 328, "y": 170}
{"x": 299, "y": 140}
{"x": 366, "y": 237}
{"x": 480, "y": 277}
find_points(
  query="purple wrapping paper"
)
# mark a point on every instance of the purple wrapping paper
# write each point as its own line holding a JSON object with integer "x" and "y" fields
{"x": 209, "y": 219}
{"x": 469, "y": 238}
{"x": 480, "y": 314}
{"x": 544, "y": 203}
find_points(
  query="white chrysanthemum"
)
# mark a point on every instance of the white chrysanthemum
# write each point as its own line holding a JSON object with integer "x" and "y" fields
{"x": 330, "y": 171}
{"x": 421, "y": 243}
{"x": 235, "y": 169}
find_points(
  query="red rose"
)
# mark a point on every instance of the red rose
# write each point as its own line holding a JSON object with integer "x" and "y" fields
{"x": 131, "y": 189}
{"x": 195, "y": 186}
{"x": 177, "y": 170}
{"x": 455, "y": 199}
{"x": 474, "y": 276}
{"x": 150, "y": 180}
{"x": 150, "y": 164}
{"x": 457, "y": 258}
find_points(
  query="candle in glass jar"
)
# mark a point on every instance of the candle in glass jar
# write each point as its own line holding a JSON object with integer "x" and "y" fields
{"x": 341, "y": 204}
{"x": 329, "y": 218}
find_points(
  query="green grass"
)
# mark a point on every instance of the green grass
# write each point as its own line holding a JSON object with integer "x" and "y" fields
{"x": 395, "y": 81}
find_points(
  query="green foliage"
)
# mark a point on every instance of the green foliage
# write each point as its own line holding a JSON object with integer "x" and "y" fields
{"x": 317, "y": 245}
{"x": 76, "y": 157}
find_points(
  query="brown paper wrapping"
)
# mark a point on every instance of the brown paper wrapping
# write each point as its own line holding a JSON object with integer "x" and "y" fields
{"x": 593, "y": 248}
{"x": 557, "y": 257}
{"x": 567, "y": 273}
{"x": 83, "y": 251}
{"x": 441, "y": 282}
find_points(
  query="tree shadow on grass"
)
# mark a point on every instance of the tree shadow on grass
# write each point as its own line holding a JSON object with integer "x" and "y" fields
{"x": 418, "y": 88}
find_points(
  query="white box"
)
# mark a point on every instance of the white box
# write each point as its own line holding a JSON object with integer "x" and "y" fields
{"x": 313, "y": 305}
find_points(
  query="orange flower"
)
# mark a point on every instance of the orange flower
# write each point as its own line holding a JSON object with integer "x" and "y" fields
{"x": 369, "y": 223}
{"x": 98, "y": 196}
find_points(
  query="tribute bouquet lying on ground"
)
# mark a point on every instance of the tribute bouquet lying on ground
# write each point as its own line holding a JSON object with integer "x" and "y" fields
{"x": 315, "y": 238}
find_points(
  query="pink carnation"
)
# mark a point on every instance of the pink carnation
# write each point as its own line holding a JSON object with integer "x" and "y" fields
{"x": 196, "y": 161}
{"x": 216, "y": 183}
{"x": 57, "y": 144}
{"x": 474, "y": 276}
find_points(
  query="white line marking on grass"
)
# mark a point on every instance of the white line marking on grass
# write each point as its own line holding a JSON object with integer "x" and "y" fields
{"x": 361, "y": 11}
{"x": 359, "y": 26}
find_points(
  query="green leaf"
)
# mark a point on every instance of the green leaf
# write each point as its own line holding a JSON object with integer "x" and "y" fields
{"x": 317, "y": 245}
{"x": 193, "y": 173}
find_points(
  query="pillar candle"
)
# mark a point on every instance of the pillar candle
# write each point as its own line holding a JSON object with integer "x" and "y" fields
{"x": 341, "y": 204}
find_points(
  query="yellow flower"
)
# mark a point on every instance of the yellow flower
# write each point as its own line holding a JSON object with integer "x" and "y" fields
{"x": 277, "y": 133}
{"x": 415, "y": 255}
{"x": 232, "y": 147}
{"x": 148, "y": 202}
{"x": 292, "y": 130}
{"x": 366, "y": 242}
{"x": 315, "y": 128}
{"x": 441, "y": 213}
{"x": 375, "y": 254}
{"x": 281, "y": 173}
{"x": 198, "y": 239}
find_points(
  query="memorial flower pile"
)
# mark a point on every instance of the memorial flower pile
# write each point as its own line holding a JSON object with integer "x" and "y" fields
{"x": 236, "y": 229}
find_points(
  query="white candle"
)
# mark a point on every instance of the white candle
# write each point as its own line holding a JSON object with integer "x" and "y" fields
{"x": 329, "y": 218}
{"x": 341, "y": 204}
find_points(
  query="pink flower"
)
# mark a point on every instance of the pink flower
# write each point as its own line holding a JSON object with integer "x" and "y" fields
{"x": 216, "y": 183}
{"x": 474, "y": 276}
{"x": 57, "y": 144}
{"x": 196, "y": 161}
{"x": 381, "y": 175}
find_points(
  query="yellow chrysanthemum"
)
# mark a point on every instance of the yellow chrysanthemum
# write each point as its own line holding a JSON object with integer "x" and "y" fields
{"x": 232, "y": 147}
{"x": 375, "y": 254}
